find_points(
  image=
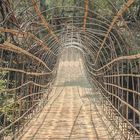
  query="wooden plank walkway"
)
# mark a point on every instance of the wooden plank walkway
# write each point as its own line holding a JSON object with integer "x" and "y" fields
{"x": 69, "y": 115}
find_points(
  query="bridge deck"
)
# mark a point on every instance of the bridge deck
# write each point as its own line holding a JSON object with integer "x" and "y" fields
{"x": 69, "y": 114}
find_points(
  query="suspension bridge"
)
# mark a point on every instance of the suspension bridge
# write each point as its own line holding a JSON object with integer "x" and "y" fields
{"x": 68, "y": 76}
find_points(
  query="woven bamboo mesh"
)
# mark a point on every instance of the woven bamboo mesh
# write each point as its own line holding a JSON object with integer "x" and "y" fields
{"x": 32, "y": 37}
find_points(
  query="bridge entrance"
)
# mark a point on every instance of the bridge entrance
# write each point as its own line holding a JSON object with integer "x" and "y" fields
{"x": 75, "y": 108}
{"x": 69, "y": 69}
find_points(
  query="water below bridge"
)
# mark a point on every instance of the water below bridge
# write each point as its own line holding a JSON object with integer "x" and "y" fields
{"x": 74, "y": 110}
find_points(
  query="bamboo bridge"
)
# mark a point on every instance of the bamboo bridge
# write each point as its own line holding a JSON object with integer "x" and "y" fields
{"x": 68, "y": 76}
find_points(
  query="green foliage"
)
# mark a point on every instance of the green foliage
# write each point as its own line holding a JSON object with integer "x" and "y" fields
{"x": 9, "y": 107}
{"x": 1, "y": 39}
{"x": 133, "y": 52}
{"x": 2, "y": 86}
{"x": 2, "y": 80}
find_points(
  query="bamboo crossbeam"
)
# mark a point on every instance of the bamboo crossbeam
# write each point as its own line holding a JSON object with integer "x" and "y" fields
{"x": 115, "y": 19}
{"x": 14, "y": 48}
